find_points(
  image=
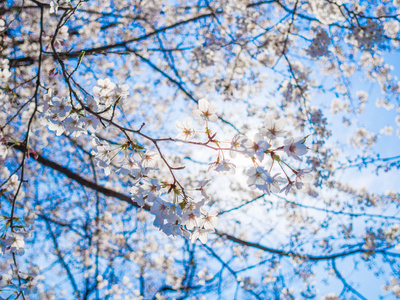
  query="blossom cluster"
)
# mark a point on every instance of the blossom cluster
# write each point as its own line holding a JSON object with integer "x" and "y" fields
{"x": 184, "y": 216}
{"x": 176, "y": 215}
{"x": 4, "y": 71}
{"x": 176, "y": 212}
{"x": 12, "y": 242}
{"x": 61, "y": 115}
{"x": 257, "y": 149}
{"x": 16, "y": 280}
{"x": 319, "y": 45}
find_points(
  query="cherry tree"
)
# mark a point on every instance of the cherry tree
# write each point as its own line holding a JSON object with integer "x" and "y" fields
{"x": 231, "y": 149}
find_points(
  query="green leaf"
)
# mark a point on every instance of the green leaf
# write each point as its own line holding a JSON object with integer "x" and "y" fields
{"x": 80, "y": 58}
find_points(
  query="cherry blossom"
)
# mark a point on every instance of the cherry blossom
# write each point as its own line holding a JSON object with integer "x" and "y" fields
{"x": 206, "y": 111}
{"x": 294, "y": 147}
{"x": 3, "y": 152}
{"x": 272, "y": 128}
{"x": 100, "y": 190}
{"x": 274, "y": 185}
{"x": 186, "y": 129}
{"x": 201, "y": 234}
{"x": 149, "y": 158}
{"x": 224, "y": 166}
{"x": 260, "y": 179}
{"x": 175, "y": 230}
{"x": 190, "y": 219}
{"x": 209, "y": 220}
{"x": 303, "y": 176}
{"x": 15, "y": 242}
{"x": 5, "y": 280}
{"x": 160, "y": 210}
{"x": 202, "y": 188}
{"x": 287, "y": 187}
{"x": 257, "y": 147}
{"x": 137, "y": 195}
{"x": 60, "y": 107}
{"x": 238, "y": 144}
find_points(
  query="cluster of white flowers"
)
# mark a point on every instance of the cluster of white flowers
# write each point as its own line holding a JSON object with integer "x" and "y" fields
{"x": 387, "y": 130}
{"x": 362, "y": 137}
{"x": 319, "y": 45}
{"x": 15, "y": 280}
{"x": 59, "y": 41}
{"x": 391, "y": 29}
{"x": 366, "y": 37}
{"x": 59, "y": 117}
{"x": 3, "y": 149}
{"x": 392, "y": 235}
{"x": 287, "y": 293}
{"x": 13, "y": 233}
{"x": 258, "y": 148}
{"x": 4, "y": 71}
{"x": 106, "y": 93}
{"x": 326, "y": 12}
{"x": 3, "y": 25}
{"x": 247, "y": 283}
{"x": 177, "y": 216}
{"x": 316, "y": 116}
{"x": 275, "y": 43}
{"x": 393, "y": 286}
{"x": 172, "y": 217}
{"x": 62, "y": 116}
{"x": 184, "y": 216}
{"x": 12, "y": 242}
{"x": 180, "y": 214}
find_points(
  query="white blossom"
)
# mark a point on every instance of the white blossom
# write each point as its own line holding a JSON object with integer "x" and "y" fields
{"x": 272, "y": 128}
{"x": 224, "y": 166}
{"x": 5, "y": 280}
{"x": 303, "y": 176}
{"x": 186, "y": 129}
{"x": 206, "y": 111}
{"x": 237, "y": 144}
{"x": 257, "y": 147}
{"x": 201, "y": 234}
{"x": 15, "y": 242}
{"x": 209, "y": 219}
{"x": 294, "y": 147}
{"x": 260, "y": 179}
